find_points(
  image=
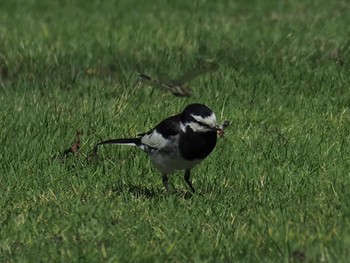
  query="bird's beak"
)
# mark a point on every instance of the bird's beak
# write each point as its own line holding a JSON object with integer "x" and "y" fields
{"x": 219, "y": 130}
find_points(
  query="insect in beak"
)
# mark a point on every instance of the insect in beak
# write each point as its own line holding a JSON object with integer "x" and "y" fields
{"x": 220, "y": 129}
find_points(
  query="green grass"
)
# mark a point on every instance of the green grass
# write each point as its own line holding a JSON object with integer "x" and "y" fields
{"x": 276, "y": 188}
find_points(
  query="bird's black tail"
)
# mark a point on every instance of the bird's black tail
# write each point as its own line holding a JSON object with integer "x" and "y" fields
{"x": 126, "y": 141}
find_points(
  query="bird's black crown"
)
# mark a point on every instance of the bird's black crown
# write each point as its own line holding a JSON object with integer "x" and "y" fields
{"x": 198, "y": 110}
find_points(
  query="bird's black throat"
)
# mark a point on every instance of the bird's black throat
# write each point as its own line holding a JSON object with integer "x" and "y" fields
{"x": 196, "y": 145}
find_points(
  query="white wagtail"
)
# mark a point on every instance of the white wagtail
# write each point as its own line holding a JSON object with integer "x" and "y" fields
{"x": 179, "y": 142}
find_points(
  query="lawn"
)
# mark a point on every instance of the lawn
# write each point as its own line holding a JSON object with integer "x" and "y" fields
{"x": 275, "y": 189}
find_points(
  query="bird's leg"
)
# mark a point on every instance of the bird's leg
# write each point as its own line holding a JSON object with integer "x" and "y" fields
{"x": 188, "y": 180}
{"x": 165, "y": 180}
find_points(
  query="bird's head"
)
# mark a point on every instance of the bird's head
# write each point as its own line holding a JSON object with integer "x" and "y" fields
{"x": 200, "y": 118}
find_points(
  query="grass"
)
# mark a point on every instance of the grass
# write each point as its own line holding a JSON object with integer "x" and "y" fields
{"x": 276, "y": 188}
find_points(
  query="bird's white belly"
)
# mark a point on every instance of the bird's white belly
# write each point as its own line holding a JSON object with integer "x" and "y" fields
{"x": 165, "y": 154}
{"x": 168, "y": 164}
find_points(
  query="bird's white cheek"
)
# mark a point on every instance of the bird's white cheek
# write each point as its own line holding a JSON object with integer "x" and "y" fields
{"x": 209, "y": 120}
{"x": 196, "y": 127}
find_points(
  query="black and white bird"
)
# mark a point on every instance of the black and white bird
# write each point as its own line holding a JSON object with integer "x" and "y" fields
{"x": 179, "y": 142}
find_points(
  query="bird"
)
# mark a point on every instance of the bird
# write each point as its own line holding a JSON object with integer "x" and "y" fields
{"x": 179, "y": 142}
{"x": 178, "y": 87}
{"x": 175, "y": 87}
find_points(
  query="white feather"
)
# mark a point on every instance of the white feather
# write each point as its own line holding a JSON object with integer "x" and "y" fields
{"x": 210, "y": 120}
{"x": 154, "y": 140}
{"x": 168, "y": 158}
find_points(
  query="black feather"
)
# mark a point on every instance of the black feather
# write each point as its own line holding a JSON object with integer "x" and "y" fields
{"x": 136, "y": 141}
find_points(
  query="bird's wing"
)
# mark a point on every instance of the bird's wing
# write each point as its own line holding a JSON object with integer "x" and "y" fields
{"x": 159, "y": 136}
{"x": 148, "y": 80}
{"x": 200, "y": 69}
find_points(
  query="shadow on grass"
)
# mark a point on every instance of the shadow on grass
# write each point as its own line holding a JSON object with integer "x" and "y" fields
{"x": 140, "y": 191}
{"x": 136, "y": 190}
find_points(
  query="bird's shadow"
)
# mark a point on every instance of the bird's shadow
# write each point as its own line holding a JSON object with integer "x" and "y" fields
{"x": 150, "y": 193}
{"x": 136, "y": 190}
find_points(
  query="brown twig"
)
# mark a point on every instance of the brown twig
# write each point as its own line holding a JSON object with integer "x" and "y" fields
{"x": 75, "y": 146}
